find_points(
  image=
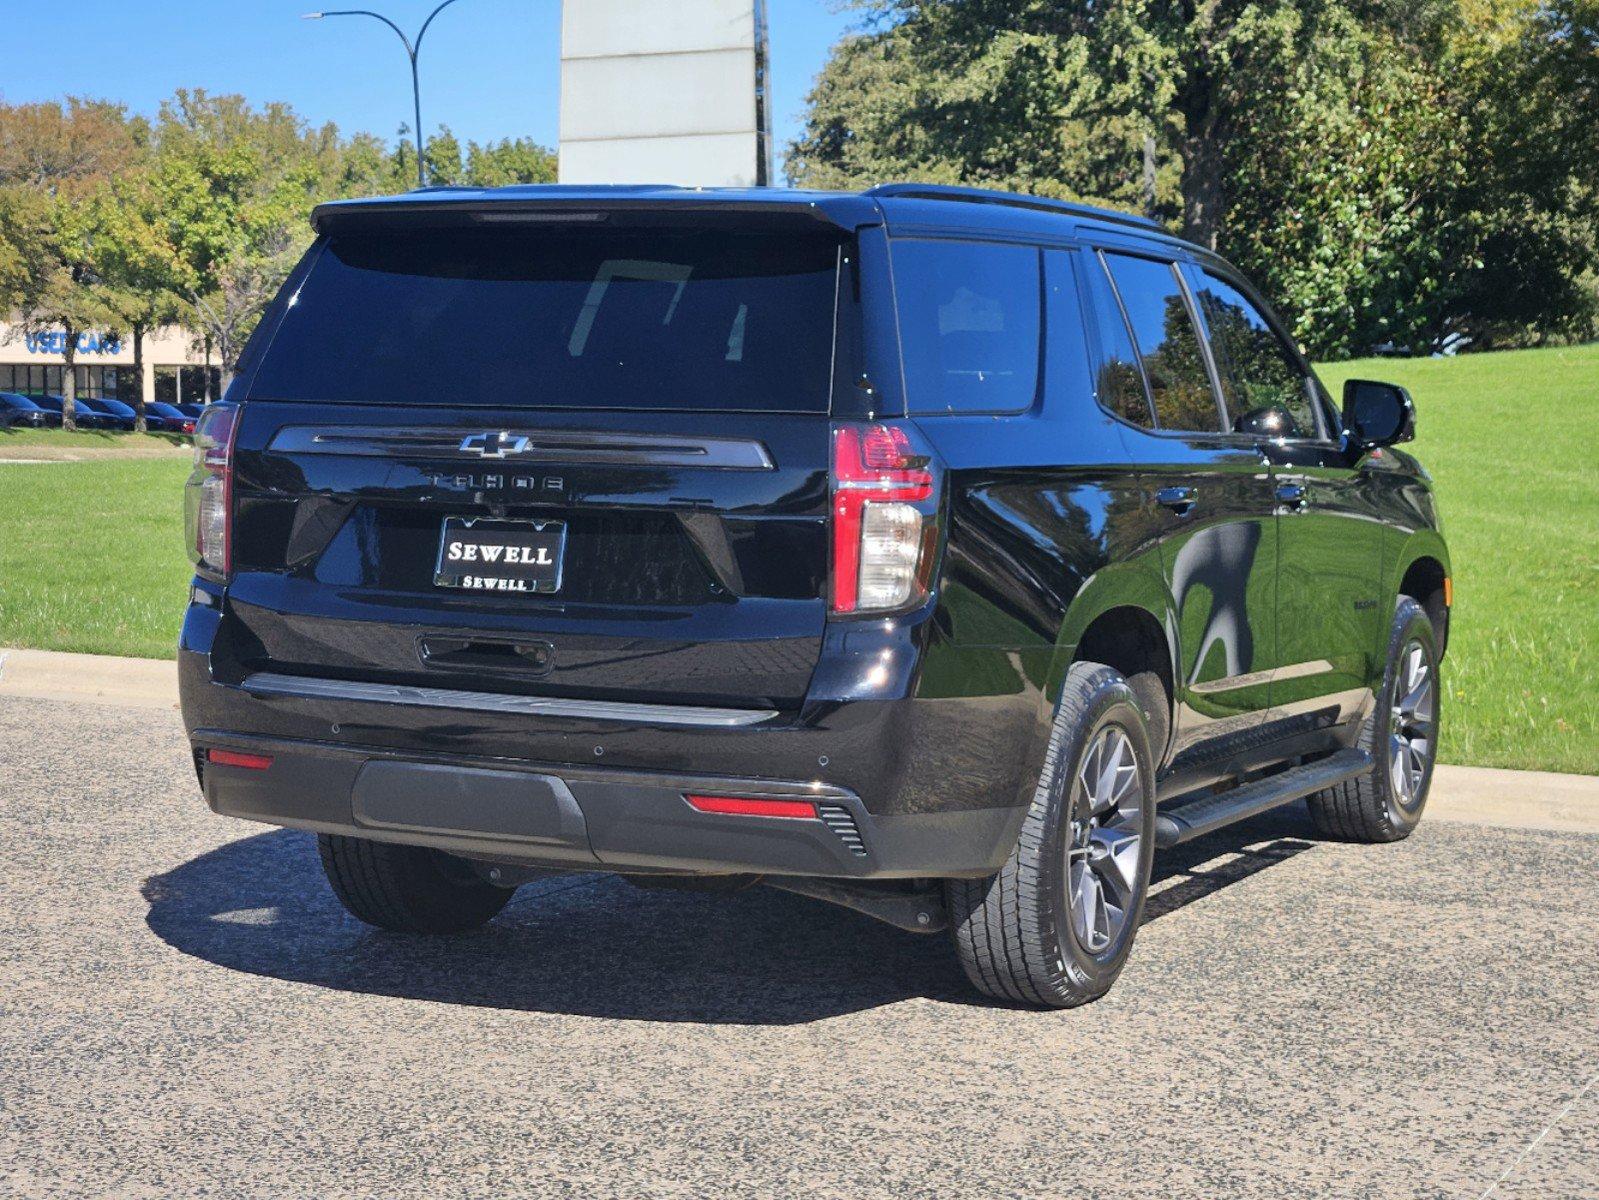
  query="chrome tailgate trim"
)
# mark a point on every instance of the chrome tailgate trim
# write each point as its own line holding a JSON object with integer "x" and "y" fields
{"x": 270, "y": 684}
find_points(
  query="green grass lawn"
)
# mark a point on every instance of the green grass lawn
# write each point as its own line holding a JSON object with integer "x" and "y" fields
{"x": 1512, "y": 441}
{"x": 91, "y": 553}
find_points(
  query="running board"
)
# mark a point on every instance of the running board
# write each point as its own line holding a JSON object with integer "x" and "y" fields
{"x": 1196, "y": 818}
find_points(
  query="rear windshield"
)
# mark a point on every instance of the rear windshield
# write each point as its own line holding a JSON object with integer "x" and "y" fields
{"x": 590, "y": 318}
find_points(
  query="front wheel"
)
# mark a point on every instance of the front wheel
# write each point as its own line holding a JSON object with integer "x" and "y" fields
{"x": 1401, "y": 735}
{"x": 1055, "y": 925}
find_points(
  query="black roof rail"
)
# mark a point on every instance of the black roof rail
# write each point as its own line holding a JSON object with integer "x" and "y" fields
{"x": 945, "y": 191}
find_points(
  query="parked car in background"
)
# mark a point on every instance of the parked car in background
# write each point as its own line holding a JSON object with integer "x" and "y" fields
{"x": 160, "y": 417}
{"x": 17, "y": 410}
{"x": 190, "y": 410}
{"x": 937, "y": 552}
{"x": 122, "y": 414}
{"x": 89, "y": 415}
{"x": 86, "y": 418}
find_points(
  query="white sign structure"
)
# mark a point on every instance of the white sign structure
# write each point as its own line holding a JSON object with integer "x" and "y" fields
{"x": 664, "y": 91}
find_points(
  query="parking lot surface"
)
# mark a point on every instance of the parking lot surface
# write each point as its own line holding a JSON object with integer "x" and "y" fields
{"x": 185, "y": 1011}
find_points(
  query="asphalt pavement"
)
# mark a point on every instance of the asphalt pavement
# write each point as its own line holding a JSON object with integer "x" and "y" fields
{"x": 185, "y": 1011}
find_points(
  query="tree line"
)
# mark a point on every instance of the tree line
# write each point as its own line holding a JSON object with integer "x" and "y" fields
{"x": 1405, "y": 175}
{"x": 113, "y": 222}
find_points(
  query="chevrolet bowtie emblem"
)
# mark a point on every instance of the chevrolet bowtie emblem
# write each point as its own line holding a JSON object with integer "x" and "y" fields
{"x": 495, "y": 445}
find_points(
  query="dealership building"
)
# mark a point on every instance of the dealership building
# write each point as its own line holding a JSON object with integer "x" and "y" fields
{"x": 175, "y": 371}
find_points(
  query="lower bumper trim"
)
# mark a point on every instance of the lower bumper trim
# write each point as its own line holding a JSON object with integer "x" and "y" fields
{"x": 267, "y": 683}
{"x": 578, "y": 817}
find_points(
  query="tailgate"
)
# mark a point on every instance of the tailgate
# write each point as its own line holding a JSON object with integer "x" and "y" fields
{"x": 692, "y": 551}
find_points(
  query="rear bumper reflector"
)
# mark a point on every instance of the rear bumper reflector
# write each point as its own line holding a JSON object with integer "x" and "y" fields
{"x": 752, "y": 806}
{"x": 268, "y": 684}
{"x": 234, "y": 758}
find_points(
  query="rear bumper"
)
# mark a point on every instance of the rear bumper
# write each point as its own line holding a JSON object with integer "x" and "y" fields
{"x": 930, "y": 787}
{"x": 589, "y": 818}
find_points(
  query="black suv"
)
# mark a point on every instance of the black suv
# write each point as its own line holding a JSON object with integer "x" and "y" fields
{"x": 936, "y": 552}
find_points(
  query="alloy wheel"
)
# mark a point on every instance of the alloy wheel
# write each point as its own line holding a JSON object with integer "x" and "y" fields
{"x": 1412, "y": 725}
{"x": 1102, "y": 856}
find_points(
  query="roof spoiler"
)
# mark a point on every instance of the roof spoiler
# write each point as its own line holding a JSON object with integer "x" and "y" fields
{"x": 458, "y": 208}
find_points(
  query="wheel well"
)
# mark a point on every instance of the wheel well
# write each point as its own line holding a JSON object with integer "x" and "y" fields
{"x": 1132, "y": 642}
{"x": 1424, "y": 583}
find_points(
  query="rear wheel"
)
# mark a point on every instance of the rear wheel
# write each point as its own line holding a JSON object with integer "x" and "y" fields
{"x": 409, "y": 889}
{"x": 1401, "y": 735}
{"x": 1054, "y": 926}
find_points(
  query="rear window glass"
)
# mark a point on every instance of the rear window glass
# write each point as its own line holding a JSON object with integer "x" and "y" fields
{"x": 969, "y": 317}
{"x": 584, "y": 318}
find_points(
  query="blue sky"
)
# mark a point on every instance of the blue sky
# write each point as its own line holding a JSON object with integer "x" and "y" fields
{"x": 489, "y": 67}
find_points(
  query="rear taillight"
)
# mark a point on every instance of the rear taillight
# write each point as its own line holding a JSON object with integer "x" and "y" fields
{"x": 208, "y": 498}
{"x": 884, "y": 512}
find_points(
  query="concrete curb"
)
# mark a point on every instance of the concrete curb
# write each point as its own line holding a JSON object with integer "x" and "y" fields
{"x": 1476, "y": 795}
{"x": 1515, "y": 799}
{"x": 91, "y": 678}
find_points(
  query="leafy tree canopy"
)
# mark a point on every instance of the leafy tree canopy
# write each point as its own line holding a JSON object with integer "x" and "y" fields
{"x": 1395, "y": 171}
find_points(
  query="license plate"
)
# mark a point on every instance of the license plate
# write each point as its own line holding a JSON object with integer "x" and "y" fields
{"x": 485, "y": 555}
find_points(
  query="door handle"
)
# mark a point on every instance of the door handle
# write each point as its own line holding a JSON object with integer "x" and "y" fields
{"x": 1291, "y": 495}
{"x": 1179, "y": 499}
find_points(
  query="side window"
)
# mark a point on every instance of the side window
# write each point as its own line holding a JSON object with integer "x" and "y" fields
{"x": 1168, "y": 344}
{"x": 1265, "y": 389}
{"x": 969, "y": 317}
{"x": 1118, "y": 382}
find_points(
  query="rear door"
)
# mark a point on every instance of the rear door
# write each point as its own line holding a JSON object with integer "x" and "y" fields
{"x": 576, "y": 459}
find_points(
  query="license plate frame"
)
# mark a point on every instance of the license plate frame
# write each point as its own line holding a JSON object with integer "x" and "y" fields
{"x": 544, "y": 540}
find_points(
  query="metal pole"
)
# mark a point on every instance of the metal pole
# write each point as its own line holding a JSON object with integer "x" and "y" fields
{"x": 412, "y": 49}
{"x": 416, "y": 99}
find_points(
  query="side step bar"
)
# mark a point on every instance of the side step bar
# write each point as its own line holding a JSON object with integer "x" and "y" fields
{"x": 1185, "y": 822}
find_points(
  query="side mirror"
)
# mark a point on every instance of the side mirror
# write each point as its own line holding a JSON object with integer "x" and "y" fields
{"x": 1378, "y": 414}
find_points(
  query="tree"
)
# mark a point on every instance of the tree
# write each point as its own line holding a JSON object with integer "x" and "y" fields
{"x": 508, "y": 161}
{"x": 236, "y": 187}
{"x": 1396, "y": 171}
{"x": 494, "y": 164}
{"x": 139, "y": 268}
{"x": 55, "y": 160}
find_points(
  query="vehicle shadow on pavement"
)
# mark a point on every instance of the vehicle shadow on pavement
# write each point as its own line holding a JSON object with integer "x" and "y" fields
{"x": 593, "y": 945}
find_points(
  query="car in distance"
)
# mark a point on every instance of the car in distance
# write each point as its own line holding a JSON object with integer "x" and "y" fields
{"x": 937, "y": 552}
{"x": 103, "y": 414}
{"x": 85, "y": 417}
{"x": 160, "y": 417}
{"x": 123, "y": 415}
{"x": 17, "y": 411}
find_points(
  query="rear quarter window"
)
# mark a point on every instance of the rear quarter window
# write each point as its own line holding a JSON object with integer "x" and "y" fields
{"x": 970, "y": 315}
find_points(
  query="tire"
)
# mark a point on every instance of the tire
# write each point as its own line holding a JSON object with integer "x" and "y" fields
{"x": 1386, "y": 804}
{"x": 1026, "y": 933}
{"x": 408, "y": 889}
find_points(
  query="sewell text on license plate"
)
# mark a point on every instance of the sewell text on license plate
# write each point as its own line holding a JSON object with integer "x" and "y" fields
{"x": 495, "y": 555}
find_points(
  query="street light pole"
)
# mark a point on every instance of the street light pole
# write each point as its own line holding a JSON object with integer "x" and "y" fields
{"x": 412, "y": 49}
